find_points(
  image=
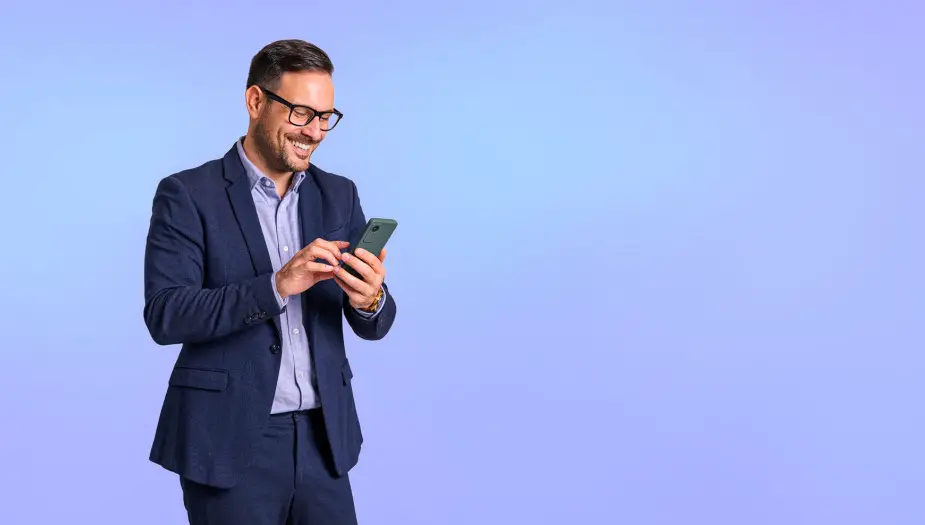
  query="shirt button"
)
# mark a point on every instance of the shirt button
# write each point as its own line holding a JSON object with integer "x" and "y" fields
{"x": 285, "y": 248}
{"x": 267, "y": 183}
{"x": 295, "y": 330}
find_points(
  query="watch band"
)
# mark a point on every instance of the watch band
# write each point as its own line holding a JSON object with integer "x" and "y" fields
{"x": 375, "y": 306}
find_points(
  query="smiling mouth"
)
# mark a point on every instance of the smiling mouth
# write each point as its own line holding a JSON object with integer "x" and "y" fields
{"x": 302, "y": 146}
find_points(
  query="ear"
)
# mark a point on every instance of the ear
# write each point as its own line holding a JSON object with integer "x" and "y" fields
{"x": 254, "y": 100}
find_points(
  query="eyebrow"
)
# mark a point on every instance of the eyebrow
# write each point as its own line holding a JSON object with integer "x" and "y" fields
{"x": 307, "y": 106}
{"x": 273, "y": 93}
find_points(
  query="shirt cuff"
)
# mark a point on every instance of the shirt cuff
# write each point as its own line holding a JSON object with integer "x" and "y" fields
{"x": 282, "y": 301}
{"x": 370, "y": 315}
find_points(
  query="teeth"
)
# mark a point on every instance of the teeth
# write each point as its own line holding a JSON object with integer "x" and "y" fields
{"x": 300, "y": 145}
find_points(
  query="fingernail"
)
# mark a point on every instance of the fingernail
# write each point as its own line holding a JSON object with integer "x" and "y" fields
{"x": 345, "y": 256}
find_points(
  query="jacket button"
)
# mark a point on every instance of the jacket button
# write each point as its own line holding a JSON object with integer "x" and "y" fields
{"x": 274, "y": 348}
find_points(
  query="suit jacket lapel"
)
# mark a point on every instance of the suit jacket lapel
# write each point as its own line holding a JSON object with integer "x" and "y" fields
{"x": 239, "y": 193}
{"x": 311, "y": 222}
{"x": 310, "y": 212}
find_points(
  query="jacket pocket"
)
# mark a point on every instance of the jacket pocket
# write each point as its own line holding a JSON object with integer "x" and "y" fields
{"x": 201, "y": 378}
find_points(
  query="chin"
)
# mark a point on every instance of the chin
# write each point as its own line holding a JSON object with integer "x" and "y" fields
{"x": 295, "y": 165}
{"x": 299, "y": 164}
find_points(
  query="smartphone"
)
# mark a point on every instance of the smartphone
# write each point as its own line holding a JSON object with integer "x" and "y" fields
{"x": 372, "y": 239}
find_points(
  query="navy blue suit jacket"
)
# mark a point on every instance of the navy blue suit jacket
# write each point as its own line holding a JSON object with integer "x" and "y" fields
{"x": 207, "y": 287}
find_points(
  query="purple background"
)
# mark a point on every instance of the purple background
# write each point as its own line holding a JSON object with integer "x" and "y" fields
{"x": 658, "y": 262}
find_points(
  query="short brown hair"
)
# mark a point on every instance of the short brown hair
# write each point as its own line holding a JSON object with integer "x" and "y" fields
{"x": 284, "y": 56}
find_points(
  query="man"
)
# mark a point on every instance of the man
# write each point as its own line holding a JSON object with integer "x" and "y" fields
{"x": 242, "y": 267}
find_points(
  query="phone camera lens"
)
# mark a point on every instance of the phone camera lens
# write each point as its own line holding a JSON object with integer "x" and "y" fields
{"x": 375, "y": 228}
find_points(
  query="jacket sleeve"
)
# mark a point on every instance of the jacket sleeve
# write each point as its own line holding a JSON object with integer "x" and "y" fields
{"x": 368, "y": 327}
{"x": 177, "y": 308}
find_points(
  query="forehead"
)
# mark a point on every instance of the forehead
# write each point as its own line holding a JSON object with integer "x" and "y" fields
{"x": 309, "y": 88}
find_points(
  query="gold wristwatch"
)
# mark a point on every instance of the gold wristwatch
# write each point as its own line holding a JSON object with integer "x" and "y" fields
{"x": 375, "y": 306}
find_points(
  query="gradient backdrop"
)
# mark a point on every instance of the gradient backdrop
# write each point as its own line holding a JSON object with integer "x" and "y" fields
{"x": 657, "y": 262}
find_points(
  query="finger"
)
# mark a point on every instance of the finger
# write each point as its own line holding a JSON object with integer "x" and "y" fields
{"x": 319, "y": 252}
{"x": 314, "y": 251}
{"x": 314, "y": 270}
{"x": 372, "y": 261}
{"x": 355, "y": 262}
{"x": 382, "y": 255}
{"x": 354, "y": 296}
{"x": 321, "y": 268}
{"x": 352, "y": 282}
{"x": 333, "y": 246}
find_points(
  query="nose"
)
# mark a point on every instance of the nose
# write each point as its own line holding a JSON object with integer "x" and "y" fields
{"x": 313, "y": 129}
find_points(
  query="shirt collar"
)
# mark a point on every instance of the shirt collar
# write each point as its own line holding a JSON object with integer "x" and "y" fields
{"x": 254, "y": 175}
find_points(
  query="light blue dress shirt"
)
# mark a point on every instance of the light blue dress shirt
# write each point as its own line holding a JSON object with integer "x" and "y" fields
{"x": 279, "y": 220}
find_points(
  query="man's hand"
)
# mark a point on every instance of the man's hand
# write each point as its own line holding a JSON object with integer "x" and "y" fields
{"x": 303, "y": 271}
{"x": 361, "y": 292}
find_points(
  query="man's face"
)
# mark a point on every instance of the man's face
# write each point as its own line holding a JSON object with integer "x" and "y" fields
{"x": 284, "y": 146}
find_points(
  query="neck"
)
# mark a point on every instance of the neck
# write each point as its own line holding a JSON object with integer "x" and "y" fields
{"x": 281, "y": 178}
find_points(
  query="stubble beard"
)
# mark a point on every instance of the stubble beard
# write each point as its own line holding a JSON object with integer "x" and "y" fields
{"x": 275, "y": 154}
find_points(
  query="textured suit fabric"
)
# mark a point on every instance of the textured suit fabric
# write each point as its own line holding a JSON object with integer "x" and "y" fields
{"x": 208, "y": 288}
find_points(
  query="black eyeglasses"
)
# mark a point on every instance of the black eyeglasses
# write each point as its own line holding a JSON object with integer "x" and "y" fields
{"x": 302, "y": 115}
